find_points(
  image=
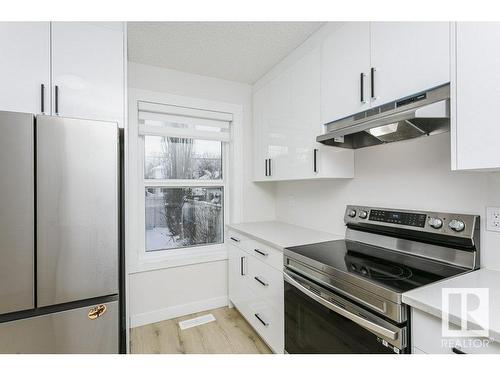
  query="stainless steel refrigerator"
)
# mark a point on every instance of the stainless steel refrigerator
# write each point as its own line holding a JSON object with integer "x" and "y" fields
{"x": 59, "y": 235}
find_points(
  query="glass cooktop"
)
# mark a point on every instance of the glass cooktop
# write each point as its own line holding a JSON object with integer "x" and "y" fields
{"x": 392, "y": 270}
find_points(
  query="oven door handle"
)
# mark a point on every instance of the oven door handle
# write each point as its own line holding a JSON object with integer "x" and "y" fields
{"x": 382, "y": 331}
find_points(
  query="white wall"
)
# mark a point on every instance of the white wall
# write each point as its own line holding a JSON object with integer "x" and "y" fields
{"x": 412, "y": 174}
{"x": 167, "y": 292}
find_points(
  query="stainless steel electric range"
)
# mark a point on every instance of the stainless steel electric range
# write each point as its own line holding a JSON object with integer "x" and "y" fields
{"x": 344, "y": 296}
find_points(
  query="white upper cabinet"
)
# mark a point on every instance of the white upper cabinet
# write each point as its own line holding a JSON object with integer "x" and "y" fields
{"x": 365, "y": 65}
{"x": 88, "y": 70}
{"x": 408, "y": 57}
{"x": 286, "y": 123}
{"x": 475, "y": 94}
{"x": 345, "y": 67}
{"x": 25, "y": 66}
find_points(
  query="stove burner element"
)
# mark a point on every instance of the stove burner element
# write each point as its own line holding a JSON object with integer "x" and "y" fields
{"x": 377, "y": 270}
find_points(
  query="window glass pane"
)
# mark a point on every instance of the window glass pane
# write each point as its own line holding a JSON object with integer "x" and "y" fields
{"x": 183, "y": 216}
{"x": 182, "y": 158}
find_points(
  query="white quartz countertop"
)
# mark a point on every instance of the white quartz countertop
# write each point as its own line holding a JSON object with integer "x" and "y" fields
{"x": 281, "y": 235}
{"x": 429, "y": 298}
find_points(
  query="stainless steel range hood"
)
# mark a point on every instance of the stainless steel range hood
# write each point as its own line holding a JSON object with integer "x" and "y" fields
{"x": 424, "y": 113}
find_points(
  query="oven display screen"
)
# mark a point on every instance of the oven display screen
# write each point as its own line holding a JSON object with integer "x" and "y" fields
{"x": 395, "y": 217}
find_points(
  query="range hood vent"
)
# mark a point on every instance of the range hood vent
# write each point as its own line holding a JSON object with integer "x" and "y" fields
{"x": 425, "y": 113}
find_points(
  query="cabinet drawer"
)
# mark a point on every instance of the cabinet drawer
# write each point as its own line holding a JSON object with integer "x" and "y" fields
{"x": 426, "y": 337}
{"x": 238, "y": 240}
{"x": 268, "y": 322}
{"x": 266, "y": 282}
{"x": 265, "y": 253}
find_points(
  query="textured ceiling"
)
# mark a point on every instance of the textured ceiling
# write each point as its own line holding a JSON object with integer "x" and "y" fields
{"x": 236, "y": 51}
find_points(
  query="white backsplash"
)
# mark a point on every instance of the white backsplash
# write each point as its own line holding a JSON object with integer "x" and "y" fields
{"x": 412, "y": 174}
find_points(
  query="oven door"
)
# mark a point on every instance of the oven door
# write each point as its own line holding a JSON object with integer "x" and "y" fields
{"x": 320, "y": 321}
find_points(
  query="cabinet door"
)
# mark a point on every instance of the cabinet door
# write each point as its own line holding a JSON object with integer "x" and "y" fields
{"x": 475, "y": 96}
{"x": 408, "y": 57}
{"x": 238, "y": 268}
{"x": 260, "y": 156}
{"x": 304, "y": 122}
{"x": 25, "y": 66}
{"x": 271, "y": 113}
{"x": 88, "y": 69}
{"x": 345, "y": 56}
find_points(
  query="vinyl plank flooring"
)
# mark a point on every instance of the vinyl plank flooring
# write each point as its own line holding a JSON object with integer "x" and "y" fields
{"x": 230, "y": 333}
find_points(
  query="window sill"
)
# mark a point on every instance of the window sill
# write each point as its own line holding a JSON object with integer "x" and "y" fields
{"x": 185, "y": 257}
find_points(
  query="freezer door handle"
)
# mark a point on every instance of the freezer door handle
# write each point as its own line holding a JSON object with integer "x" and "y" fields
{"x": 96, "y": 311}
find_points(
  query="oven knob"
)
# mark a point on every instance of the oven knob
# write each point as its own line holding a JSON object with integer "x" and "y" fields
{"x": 363, "y": 214}
{"x": 435, "y": 222}
{"x": 351, "y": 213}
{"x": 457, "y": 225}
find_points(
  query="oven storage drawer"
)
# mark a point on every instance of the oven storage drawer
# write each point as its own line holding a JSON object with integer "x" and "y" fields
{"x": 318, "y": 321}
{"x": 427, "y": 338}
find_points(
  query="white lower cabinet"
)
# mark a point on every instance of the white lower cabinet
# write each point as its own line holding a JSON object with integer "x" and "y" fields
{"x": 256, "y": 287}
{"x": 426, "y": 337}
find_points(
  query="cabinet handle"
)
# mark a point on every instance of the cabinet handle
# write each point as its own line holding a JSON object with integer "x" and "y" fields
{"x": 362, "y": 87}
{"x": 56, "y": 103}
{"x": 258, "y": 279}
{"x": 235, "y": 239}
{"x": 457, "y": 351}
{"x": 261, "y": 320}
{"x": 315, "y": 160}
{"x": 42, "y": 98}
{"x": 261, "y": 252}
{"x": 270, "y": 171}
{"x": 266, "y": 167}
{"x": 242, "y": 265}
{"x": 372, "y": 82}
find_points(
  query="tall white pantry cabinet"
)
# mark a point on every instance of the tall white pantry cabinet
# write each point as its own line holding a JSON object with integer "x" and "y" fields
{"x": 70, "y": 69}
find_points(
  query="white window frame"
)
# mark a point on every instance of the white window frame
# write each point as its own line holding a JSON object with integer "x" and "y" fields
{"x": 139, "y": 260}
{"x": 170, "y": 183}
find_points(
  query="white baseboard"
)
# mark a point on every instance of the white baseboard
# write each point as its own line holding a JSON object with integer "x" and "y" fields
{"x": 176, "y": 311}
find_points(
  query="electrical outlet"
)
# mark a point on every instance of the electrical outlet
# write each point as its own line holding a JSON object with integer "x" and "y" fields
{"x": 493, "y": 219}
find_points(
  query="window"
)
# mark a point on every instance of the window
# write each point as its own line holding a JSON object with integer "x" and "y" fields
{"x": 182, "y": 158}
{"x": 184, "y": 178}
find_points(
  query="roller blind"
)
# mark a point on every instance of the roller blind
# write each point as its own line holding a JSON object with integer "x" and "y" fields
{"x": 174, "y": 121}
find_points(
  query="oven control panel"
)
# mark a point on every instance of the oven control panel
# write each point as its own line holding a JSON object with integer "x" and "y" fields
{"x": 398, "y": 217}
{"x": 451, "y": 224}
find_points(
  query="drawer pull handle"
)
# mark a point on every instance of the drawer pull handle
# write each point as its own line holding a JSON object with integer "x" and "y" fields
{"x": 261, "y": 252}
{"x": 235, "y": 239}
{"x": 261, "y": 281}
{"x": 96, "y": 311}
{"x": 457, "y": 351}
{"x": 264, "y": 323}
